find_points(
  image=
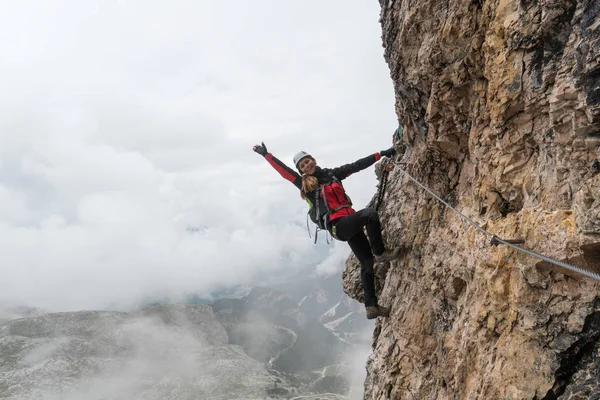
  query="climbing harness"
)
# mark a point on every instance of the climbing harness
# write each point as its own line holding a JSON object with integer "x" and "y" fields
{"x": 494, "y": 240}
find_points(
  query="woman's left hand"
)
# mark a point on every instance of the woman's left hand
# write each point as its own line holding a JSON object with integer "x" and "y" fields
{"x": 387, "y": 153}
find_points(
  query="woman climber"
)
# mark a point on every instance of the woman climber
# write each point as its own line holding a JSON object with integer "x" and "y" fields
{"x": 332, "y": 209}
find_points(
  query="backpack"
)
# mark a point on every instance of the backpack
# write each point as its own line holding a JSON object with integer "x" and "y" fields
{"x": 317, "y": 211}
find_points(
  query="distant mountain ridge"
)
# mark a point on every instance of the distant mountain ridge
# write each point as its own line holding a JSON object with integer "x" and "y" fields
{"x": 8, "y": 313}
{"x": 294, "y": 342}
{"x": 176, "y": 352}
{"x": 269, "y": 347}
{"x": 309, "y": 344}
{"x": 323, "y": 297}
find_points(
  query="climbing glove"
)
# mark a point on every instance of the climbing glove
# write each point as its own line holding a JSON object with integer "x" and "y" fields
{"x": 261, "y": 149}
{"x": 387, "y": 153}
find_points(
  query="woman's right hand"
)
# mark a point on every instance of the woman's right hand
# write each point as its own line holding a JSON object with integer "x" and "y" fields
{"x": 260, "y": 149}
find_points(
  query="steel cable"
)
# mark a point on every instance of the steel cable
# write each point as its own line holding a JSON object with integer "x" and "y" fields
{"x": 589, "y": 274}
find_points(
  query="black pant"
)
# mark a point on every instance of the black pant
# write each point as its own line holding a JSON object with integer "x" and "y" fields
{"x": 350, "y": 229}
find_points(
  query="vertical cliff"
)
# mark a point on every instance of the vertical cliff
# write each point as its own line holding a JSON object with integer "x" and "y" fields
{"x": 500, "y": 106}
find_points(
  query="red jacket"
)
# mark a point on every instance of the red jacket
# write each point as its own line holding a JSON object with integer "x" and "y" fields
{"x": 335, "y": 195}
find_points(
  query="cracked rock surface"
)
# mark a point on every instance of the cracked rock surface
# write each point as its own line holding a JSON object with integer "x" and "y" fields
{"x": 500, "y": 104}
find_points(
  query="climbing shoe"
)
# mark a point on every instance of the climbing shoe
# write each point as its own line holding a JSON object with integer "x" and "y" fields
{"x": 377, "y": 311}
{"x": 389, "y": 255}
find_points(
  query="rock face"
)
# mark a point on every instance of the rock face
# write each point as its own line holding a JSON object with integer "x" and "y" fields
{"x": 174, "y": 352}
{"x": 500, "y": 104}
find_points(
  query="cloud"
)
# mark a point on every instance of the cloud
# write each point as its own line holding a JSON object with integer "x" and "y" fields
{"x": 139, "y": 358}
{"x": 126, "y": 165}
{"x": 335, "y": 260}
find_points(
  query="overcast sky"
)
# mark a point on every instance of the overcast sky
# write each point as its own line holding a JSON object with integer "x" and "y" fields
{"x": 126, "y": 128}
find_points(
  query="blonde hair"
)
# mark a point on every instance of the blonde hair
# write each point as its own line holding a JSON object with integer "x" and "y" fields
{"x": 309, "y": 184}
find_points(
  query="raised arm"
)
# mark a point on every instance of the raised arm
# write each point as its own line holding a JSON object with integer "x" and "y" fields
{"x": 286, "y": 172}
{"x": 346, "y": 170}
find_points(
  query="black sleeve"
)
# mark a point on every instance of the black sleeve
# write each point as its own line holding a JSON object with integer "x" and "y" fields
{"x": 286, "y": 172}
{"x": 348, "y": 169}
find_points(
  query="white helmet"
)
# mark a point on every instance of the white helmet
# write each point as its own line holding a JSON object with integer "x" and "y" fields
{"x": 299, "y": 156}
